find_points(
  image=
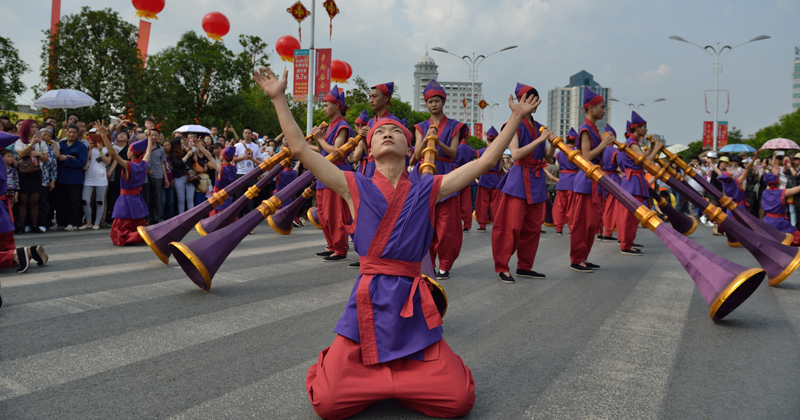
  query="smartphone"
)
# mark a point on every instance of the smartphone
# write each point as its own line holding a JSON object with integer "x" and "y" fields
{"x": 129, "y": 125}
{"x": 96, "y": 138}
{"x": 194, "y": 148}
{"x": 268, "y": 149}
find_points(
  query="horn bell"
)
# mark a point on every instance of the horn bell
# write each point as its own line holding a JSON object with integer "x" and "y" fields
{"x": 160, "y": 235}
{"x": 313, "y": 217}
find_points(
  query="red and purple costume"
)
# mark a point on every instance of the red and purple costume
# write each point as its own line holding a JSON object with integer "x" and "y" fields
{"x": 284, "y": 178}
{"x": 562, "y": 208}
{"x": 464, "y": 154}
{"x": 487, "y": 200}
{"x": 224, "y": 178}
{"x": 130, "y": 210}
{"x": 634, "y": 182}
{"x": 773, "y": 201}
{"x": 7, "y": 246}
{"x": 609, "y": 166}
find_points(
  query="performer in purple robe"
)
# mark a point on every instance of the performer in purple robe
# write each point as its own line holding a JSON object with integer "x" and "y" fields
{"x": 587, "y": 198}
{"x": 225, "y": 176}
{"x": 389, "y": 339}
{"x": 562, "y": 207}
{"x": 487, "y": 199}
{"x": 333, "y": 215}
{"x": 284, "y": 178}
{"x": 773, "y": 201}
{"x": 733, "y": 188}
{"x": 518, "y": 223}
{"x": 448, "y": 233}
{"x": 634, "y": 182}
{"x": 610, "y": 167}
{"x": 464, "y": 154}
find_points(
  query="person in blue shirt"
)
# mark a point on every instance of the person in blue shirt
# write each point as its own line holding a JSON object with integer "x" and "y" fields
{"x": 69, "y": 183}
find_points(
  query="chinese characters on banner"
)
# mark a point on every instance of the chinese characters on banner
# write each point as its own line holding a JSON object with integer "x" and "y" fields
{"x": 722, "y": 134}
{"x": 322, "y": 73}
{"x": 708, "y": 134}
{"x": 300, "y": 83}
{"x": 478, "y": 130}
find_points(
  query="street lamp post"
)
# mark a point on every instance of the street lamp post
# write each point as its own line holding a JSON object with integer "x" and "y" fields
{"x": 491, "y": 113}
{"x": 473, "y": 63}
{"x": 636, "y": 105}
{"x": 717, "y": 54}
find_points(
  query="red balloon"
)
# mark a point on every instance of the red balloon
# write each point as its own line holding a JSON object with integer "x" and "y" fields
{"x": 349, "y": 70}
{"x": 216, "y": 25}
{"x": 286, "y": 46}
{"x": 148, "y": 9}
{"x": 339, "y": 71}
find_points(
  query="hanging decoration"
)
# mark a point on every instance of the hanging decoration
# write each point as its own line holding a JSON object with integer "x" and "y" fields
{"x": 299, "y": 13}
{"x": 216, "y": 25}
{"x": 148, "y": 9}
{"x": 340, "y": 71}
{"x": 286, "y": 46}
{"x": 464, "y": 102}
{"x": 330, "y": 7}
{"x": 482, "y": 104}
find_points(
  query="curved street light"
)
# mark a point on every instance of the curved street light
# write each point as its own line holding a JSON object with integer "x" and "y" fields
{"x": 636, "y": 105}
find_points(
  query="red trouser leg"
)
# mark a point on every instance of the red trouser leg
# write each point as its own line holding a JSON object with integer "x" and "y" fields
{"x": 123, "y": 231}
{"x": 447, "y": 233}
{"x": 560, "y": 207}
{"x": 585, "y": 219}
{"x": 516, "y": 228}
{"x": 494, "y": 202}
{"x": 602, "y": 221}
{"x": 482, "y": 206}
{"x": 321, "y": 205}
{"x": 332, "y": 217}
{"x": 627, "y": 225}
{"x": 340, "y": 385}
{"x": 466, "y": 207}
{"x": 610, "y": 215}
{"x": 7, "y": 249}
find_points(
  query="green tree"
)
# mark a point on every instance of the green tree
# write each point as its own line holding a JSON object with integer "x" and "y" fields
{"x": 476, "y": 143}
{"x": 11, "y": 69}
{"x": 735, "y": 135}
{"x": 695, "y": 148}
{"x": 788, "y": 127}
{"x": 94, "y": 51}
{"x": 254, "y": 55}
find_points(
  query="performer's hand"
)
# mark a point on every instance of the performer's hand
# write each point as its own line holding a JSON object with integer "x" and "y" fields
{"x": 316, "y": 133}
{"x": 432, "y": 131}
{"x": 545, "y": 135}
{"x": 657, "y": 145}
{"x": 364, "y": 131}
{"x": 524, "y": 107}
{"x": 101, "y": 128}
{"x": 270, "y": 83}
{"x": 608, "y": 138}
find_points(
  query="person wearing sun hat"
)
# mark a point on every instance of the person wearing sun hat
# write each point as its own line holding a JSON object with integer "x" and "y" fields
{"x": 488, "y": 197}
{"x": 562, "y": 206}
{"x": 448, "y": 230}
{"x": 333, "y": 214}
{"x": 610, "y": 168}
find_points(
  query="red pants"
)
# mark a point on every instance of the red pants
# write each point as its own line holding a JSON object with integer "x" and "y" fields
{"x": 562, "y": 210}
{"x": 340, "y": 385}
{"x": 517, "y": 228}
{"x": 333, "y": 214}
{"x": 123, "y": 231}
{"x": 627, "y": 225}
{"x": 447, "y": 233}
{"x": 7, "y": 249}
{"x": 487, "y": 201}
{"x": 609, "y": 216}
{"x": 586, "y": 211}
{"x": 465, "y": 196}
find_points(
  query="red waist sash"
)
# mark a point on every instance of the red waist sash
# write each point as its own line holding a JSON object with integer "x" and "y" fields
{"x": 782, "y": 216}
{"x": 569, "y": 171}
{"x": 444, "y": 159}
{"x": 6, "y": 198}
{"x": 640, "y": 174}
{"x": 134, "y": 191}
{"x": 529, "y": 164}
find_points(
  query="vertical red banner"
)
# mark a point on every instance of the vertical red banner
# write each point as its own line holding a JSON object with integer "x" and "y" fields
{"x": 55, "y": 16}
{"x": 722, "y": 134}
{"x": 143, "y": 40}
{"x": 322, "y": 73}
{"x": 300, "y": 81}
{"x": 478, "y": 130}
{"x": 708, "y": 134}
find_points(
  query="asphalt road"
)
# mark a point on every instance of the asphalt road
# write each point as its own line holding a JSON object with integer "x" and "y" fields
{"x": 112, "y": 333}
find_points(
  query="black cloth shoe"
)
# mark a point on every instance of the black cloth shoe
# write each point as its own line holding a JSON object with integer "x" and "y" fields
{"x": 506, "y": 279}
{"x": 559, "y": 233}
{"x": 324, "y": 254}
{"x": 530, "y": 274}
{"x": 481, "y": 229}
{"x": 334, "y": 257}
{"x": 542, "y": 231}
{"x": 466, "y": 230}
{"x": 38, "y": 254}
{"x": 601, "y": 238}
{"x": 442, "y": 276}
{"x": 592, "y": 266}
{"x": 632, "y": 251}
{"x": 355, "y": 265}
{"x": 609, "y": 238}
{"x": 24, "y": 257}
{"x": 581, "y": 269}
{"x": 634, "y": 244}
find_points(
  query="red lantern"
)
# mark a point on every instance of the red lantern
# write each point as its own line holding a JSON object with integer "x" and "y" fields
{"x": 299, "y": 13}
{"x": 286, "y": 46}
{"x": 330, "y": 7}
{"x": 216, "y": 25}
{"x": 340, "y": 71}
{"x": 148, "y": 9}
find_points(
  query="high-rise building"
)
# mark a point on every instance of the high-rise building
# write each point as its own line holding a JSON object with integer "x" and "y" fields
{"x": 564, "y": 104}
{"x": 796, "y": 79}
{"x": 425, "y": 70}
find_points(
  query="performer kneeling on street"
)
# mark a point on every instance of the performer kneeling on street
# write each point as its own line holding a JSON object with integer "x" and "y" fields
{"x": 773, "y": 202}
{"x": 389, "y": 342}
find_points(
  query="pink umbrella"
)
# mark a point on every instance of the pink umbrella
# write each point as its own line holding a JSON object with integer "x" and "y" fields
{"x": 780, "y": 144}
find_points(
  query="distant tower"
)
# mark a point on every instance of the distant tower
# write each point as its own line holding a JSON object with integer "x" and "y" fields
{"x": 424, "y": 71}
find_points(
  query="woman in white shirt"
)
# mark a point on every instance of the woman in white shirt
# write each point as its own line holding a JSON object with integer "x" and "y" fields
{"x": 31, "y": 146}
{"x": 95, "y": 180}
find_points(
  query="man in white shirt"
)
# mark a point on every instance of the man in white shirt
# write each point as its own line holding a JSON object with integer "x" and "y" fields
{"x": 247, "y": 156}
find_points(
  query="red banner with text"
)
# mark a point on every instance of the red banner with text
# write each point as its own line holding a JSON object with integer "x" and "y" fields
{"x": 708, "y": 134}
{"x": 478, "y": 130}
{"x": 322, "y": 73}
{"x": 722, "y": 134}
{"x": 300, "y": 82}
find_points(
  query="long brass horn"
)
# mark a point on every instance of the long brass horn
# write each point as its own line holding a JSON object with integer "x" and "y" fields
{"x": 723, "y": 284}
{"x": 282, "y": 220}
{"x": 685, "y": 225}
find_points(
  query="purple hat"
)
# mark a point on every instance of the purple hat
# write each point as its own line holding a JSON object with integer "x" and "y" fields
{"x": 404, "y": 121}
{"x": 609, "y": 129}
{"x": 770, "y": 178}
{"x": 590, "y": 98}
{"x": 491, "y": 134}
{"x": 336, "y": 96}
{"x": 627, "y": 127}
{"x": 385, "y": 88}
{"x": 363, "y": 118}
{"x": 434, "y": 89}
{"x": 138, "y": 147}
{"x": 572, "y": 134}
{"x": 636, "y": 120}
{"x": 7, "y": 139}
{"x": 521, "y": 90}
{"x": 229, "y": 152}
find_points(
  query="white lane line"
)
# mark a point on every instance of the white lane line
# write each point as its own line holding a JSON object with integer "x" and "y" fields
{"x": 623, "y": 370}
{"x": 35, "y": 373}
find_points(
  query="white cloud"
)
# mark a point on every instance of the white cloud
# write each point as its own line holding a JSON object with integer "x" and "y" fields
{"x": 653, "y": 76}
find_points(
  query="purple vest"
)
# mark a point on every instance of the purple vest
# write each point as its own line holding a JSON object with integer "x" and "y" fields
{"x": 5, "y": 218}
{"x": 490, "y": 179}
{"x": 367, "y": 165}
{"x": 407, "y": 241}
{"x": 464, "y": 154}
{"x": 330, "y": 137}
{"x": 567, "y": 172}
{"x": 284, "y": 178}
{"x": 582, "y": 184}
{"x": 634, "y": 178}
{"x": 224, "y": 178}
{"x": 731, "y": 188}
{"x": 447, "y": 128}
{"x": 526, "y": 177}
{"x": 132, "y": 206}
{"x": 772, "y": 201}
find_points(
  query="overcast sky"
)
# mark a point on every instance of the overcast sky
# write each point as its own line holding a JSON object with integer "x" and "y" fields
{"x": 623, "y": 43}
